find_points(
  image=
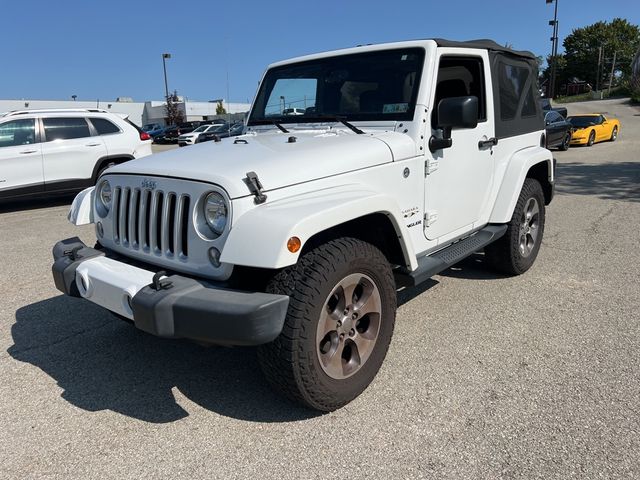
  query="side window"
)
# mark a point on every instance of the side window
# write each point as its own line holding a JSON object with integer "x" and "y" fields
{"x": 65, "y": 128}
{"x": 104, "y": 126}
{"x": 553, "y": 117}
{"x": 17, "y": 132}
{"x": 460, "y": 77}
{"x": 512, "y": 81}
{"x": 529, "y": 107}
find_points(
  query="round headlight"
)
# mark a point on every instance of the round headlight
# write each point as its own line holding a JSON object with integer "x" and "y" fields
{"x": 104, "y": 197}
{"x": 215, "y": 212}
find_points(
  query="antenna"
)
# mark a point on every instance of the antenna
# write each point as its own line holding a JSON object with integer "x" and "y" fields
{"x": 228, "y": 99}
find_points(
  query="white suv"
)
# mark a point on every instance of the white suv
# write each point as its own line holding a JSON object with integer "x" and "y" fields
{"x": 191, "y": 138}
{"x": 59, "y": 150}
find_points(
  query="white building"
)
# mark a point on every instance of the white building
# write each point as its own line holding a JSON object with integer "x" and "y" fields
{"x": 139, "y": 113}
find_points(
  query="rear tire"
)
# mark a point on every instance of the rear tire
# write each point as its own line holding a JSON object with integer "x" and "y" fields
{"x": 338, "y": 326}
{"x": 515, "y": 252}
{"x": 592, "y": 138}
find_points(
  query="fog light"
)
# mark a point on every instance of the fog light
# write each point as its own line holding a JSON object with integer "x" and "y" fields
{"x": 294, "y": 244}
{"x": 99, "y": 229}
{"x": 214, "y": 256}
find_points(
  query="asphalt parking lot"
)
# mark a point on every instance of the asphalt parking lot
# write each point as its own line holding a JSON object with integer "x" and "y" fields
{"x": 487, "y": 377}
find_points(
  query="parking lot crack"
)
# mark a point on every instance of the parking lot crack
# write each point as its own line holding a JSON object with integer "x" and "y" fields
{"x": 594, "y": 226}
{"x": 13, "y": 352}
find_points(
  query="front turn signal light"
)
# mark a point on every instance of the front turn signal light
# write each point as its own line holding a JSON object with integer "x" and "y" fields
{"x": 294, "y": 244}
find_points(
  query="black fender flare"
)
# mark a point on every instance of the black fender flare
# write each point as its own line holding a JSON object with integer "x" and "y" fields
{"x": 116, "y": 159}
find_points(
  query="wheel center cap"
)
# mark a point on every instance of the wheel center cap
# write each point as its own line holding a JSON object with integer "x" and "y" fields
{"x": 347, "y": 324}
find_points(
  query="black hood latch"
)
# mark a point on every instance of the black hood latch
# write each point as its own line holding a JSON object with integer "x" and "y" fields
{"x": 255, "y": 187}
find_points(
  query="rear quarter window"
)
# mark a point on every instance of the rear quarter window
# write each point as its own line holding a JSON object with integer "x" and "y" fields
{"x": 104, "y": 126}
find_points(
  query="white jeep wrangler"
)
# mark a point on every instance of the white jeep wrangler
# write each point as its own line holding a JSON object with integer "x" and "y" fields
{"x": 405, "y": 159}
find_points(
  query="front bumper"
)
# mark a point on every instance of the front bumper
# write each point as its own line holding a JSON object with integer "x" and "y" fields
{"x": 579, "y": 137}
{"x": 172, "y": 307}
{"x": 183, "y": 141}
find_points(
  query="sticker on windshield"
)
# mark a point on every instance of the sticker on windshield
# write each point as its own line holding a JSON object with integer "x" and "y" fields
{"x": 395, "y": 107}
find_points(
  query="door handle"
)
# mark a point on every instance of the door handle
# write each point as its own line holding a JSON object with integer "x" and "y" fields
{"x": 28, "y": 151}
{"x": 92, "y": 145}
{"x": 488, "y": 143}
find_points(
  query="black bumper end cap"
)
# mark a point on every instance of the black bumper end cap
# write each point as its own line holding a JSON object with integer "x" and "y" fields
{"x": 67, "y": 255}
{"x": 194, "y": 310}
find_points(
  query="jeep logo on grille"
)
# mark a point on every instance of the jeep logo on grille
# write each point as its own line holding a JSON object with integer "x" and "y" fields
{"x": 150, "y": 184}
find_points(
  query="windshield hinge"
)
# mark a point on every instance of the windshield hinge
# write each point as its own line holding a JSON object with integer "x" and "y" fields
{"x": 255, "y": 187}
{"x": 430, "y": 166}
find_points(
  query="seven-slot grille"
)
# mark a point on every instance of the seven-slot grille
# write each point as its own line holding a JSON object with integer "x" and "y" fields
{"x": 151, "y": 220}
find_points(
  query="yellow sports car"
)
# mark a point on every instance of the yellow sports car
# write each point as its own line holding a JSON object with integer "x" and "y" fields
{"x": 590, "y": 128}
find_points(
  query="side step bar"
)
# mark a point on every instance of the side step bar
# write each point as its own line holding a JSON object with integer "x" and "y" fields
{"x": 430, "y": 265}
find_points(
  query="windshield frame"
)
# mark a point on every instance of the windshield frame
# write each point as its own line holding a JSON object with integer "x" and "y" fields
{"x": 325, "y": 64}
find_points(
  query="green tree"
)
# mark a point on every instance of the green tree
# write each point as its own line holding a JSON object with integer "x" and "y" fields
{"x": 173, "y": 113}
{"x": 582, "y": 46}
{"x": 562, "y": 76}
{"x": 220, "y": 110}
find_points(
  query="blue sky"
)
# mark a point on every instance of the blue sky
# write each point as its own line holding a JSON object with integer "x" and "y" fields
{"x": 105, "y": 49}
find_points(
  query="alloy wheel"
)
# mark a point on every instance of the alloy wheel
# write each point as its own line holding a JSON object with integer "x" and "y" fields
{"x": 529, "y": 227}
{"x": 348, "y": 327}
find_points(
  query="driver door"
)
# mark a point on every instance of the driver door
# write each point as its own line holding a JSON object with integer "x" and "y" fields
{"x": 459, "y": 178}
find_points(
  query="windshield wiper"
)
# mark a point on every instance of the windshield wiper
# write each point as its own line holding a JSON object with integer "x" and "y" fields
{"x": 332, "y": 118}
{"x": 308, "y": 119}
{"x": 268, "y": 121}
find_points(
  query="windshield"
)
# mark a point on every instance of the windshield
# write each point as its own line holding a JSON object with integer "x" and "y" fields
{"x": 581, "y": 122}
{"x": 202, "y": 128}
{"x": 381, "y": 85}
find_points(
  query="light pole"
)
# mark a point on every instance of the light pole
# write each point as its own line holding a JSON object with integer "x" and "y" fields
{"x": 164, "y": 67}
{"x": 284, "y": 105}
{"x": 554, "y": 49}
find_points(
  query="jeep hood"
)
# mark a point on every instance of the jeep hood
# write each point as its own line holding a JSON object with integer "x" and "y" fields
{"x": 279, "y": 159}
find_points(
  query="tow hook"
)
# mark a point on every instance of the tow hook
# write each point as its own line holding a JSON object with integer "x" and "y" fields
{"x": 157, "y": 284}
{"x": 73, "y": 253}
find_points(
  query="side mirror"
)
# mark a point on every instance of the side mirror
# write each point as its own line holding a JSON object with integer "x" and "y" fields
{"x": 454, "y": 112}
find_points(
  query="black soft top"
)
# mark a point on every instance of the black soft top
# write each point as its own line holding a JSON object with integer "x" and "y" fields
{"x": 483, "y": 44}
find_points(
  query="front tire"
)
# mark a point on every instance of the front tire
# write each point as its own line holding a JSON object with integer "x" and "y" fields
{"x": 592, "y": 138}
{"x": 614, "y": 134}
{"x": 515, "y": 252}
{"x": 338, "y": 327}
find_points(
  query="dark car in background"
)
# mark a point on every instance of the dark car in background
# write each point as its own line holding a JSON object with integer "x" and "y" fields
{"x": 545, "y": 103}
{"x": 153, "y": 129}
{"x": 171, "y": 134}
{"x": 223, "y": 131}
{"x": 557, "y": 130}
